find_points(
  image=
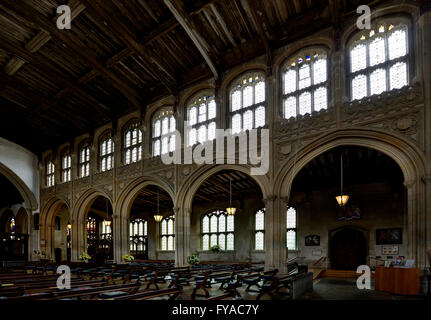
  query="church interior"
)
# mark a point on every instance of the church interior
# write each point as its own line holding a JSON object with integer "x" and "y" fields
{"x": 111, "y": 117}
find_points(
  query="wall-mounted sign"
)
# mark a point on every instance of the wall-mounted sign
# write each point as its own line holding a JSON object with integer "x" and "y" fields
{"x": 389, "y": 250}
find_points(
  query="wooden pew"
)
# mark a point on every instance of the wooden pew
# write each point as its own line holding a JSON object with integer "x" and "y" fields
{"x": 173, "y": 293}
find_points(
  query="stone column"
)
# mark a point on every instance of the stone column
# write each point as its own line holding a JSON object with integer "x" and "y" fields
{"x": 275, "y": 234}
{"x": 120, "y": 236}
{"x": 338, "y": 92}
{"x": 424, "y": 44}
{"x": 182, "y": 236}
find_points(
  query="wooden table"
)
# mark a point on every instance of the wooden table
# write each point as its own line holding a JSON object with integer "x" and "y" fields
{"x": 402, "y": 281}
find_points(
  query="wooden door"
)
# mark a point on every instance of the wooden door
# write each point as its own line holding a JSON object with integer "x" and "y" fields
{"x": 348, "y": 249}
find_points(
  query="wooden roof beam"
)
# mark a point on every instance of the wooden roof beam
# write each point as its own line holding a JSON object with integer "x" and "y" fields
{"x": 258, "y": 22}
{"x": 183, "y": 18}
{"x": 30, "y": 14}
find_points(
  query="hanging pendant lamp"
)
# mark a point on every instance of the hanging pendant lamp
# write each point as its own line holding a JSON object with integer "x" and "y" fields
{"x": 230, "y": 210}
{"x": 342, "y": 198}
{"x": 158, "y": 217}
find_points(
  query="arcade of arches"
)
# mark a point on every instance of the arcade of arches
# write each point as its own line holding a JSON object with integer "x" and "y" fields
{"x": 107, "y": 193}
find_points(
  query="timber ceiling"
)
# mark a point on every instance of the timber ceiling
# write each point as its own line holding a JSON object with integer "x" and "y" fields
{"x": 119, "y": 56}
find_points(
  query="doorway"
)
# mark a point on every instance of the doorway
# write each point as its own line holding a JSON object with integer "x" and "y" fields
{"x": 348, "y": 249}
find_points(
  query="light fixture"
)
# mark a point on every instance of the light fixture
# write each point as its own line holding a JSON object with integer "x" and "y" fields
{"x": 107, "y": 222}
{"x": 230, "y": 210}
{"x": 69, "y": 225}
{"x": 342, "y": 198}
{"x": 158, "y": 217}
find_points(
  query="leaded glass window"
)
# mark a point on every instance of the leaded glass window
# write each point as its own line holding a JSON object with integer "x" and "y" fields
{"x": 379, "y": 60}
{"x": 201, "y": 116}
{"x": 50, "y": 174}
{"x": 106, "y": 153}
{"x": 167, "y": 234}
{"x": 66, "y": 167}
{"x": 84, "y": 161}
{"x": 218, "y": 229}
{"x": 138, "y": 231}
{"x": 259, "y": 236}
{"x": 132, "y": 143}
{"x": 163, "y": 132}
{"x": 305, "y": 83}
{"x": 247, "y": 102}
{"x": 291, "y": 228}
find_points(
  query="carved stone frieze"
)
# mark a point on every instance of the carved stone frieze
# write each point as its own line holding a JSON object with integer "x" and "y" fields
{"x": 102, "y": 178}
{"x": 130, "y": 171}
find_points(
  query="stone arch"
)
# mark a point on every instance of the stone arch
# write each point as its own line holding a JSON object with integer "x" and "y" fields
{"x": 46, "y": 224}
{"x": 408, "y": 157}
{"x": 78, "y": 213}
{"x": 22, "y": 221}
{"x": 191, "y": 184}
{"x": 28, "y": 196}
{"x": 124, "y": 204}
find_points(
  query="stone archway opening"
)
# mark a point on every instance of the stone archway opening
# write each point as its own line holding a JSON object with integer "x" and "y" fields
{"x": 148, "y": 238}
{"x": 61, "y": 232}
{"x": 211, "y": 227}
{"x": 377, "y": 201}
{"x": 98, "y": 223}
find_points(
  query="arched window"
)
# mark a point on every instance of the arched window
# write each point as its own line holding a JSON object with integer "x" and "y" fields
{"x": 379, "y": 60}
{"x": 218, "y": 229}
{"x": 106, "y": 152}
{"x": 138, "y": 233}
{"x": 132, "y": 143}
{"x": 201, "y": 116}
{"x": 66, "y": 167}
{"x": 163, "y": 132}
{"x": 291, "y": 228}
{"x": 305, "y": 83}
{"x": 247, "y": 102}
{"x": 84, "y": 160}
{"x": 106, "y": 229}
{"x": 259, "y": 227}
{"x": 50, "y": 173}
{"x": 12, "y": 225}
{"x": 91, "y": 230}
{"x": 167, "y": 234}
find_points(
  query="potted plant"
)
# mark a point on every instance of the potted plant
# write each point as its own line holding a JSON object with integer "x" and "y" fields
{"x": 215, "y": 248}
{"x": 193, "y": 259}
{"x": 84, "y": 257}
{"x": 128, "y": 258}
{"x": 40, "y": 254}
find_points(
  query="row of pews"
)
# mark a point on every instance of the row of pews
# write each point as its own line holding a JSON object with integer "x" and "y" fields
{"x": 149, "y": 280}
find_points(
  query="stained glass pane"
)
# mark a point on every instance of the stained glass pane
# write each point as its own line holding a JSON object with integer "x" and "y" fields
{"x": 230, "y": 223}
{"x": 212, "y": 109}
{"x": 259, "y": 91}
{"x": 397, "y": 43}
{"x": 202, "y": 134}
{"x": 304, "y": 76}
{"x": 202, "y": 112}
{"x": 398, "y": 75}
{"x": 205, "y": 224}
{"x": 259, "y": 117}
{"x": 290, "y": 107}
{"x": 165, "y": 145}
{"x": 236, "y": 100}
{"x": 192, "y": 136}
{"x": 165, "y": 125}
{"x": 156, "y": 129}
{"x": 320, "y": 99}
{"x": 248, "y": 120}
{"x": 156, "y": 148}
{"x": 230, "y": 242}
{"x": 247, "y": 96}
{"x": 236, "y": 123}
{"x": 192, "y": 116}
{"x": 164, "y": 227}
{"x": 213, "y": 223}
{"x": 377, "y": 51}
{"x": 305, "y": 103}
{"x": 170, "y": 226}
{"x": 378, "y": 81}
{"x": 320, "y": 71}
{"x": 205, "y": 242}
{"x": 259, "y": 241}
{"x": 358, "y": 57}
{"x": 135, "y": 229}
{"x": 290, "y": 81}
{"x": 222, "y": 223}
{"x": 172, "y": 143}
{"x": 211, "y": 131}
{"x": 222, "y": 241}
{"x": 213, "y": 240}
{"x": 164, "y": 243}
{"x": 359, "y": 87}
{"x": 145, "y": 228}
{"x": 170, "y": 243}
{"x": 291, "y": 240}
{"x": 291, "y": 218}
{"x": 260, "y": 220}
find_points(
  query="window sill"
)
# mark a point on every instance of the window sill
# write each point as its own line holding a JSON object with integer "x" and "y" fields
{"x": 165, "y": 251}
{"x": 211, "y": 252}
